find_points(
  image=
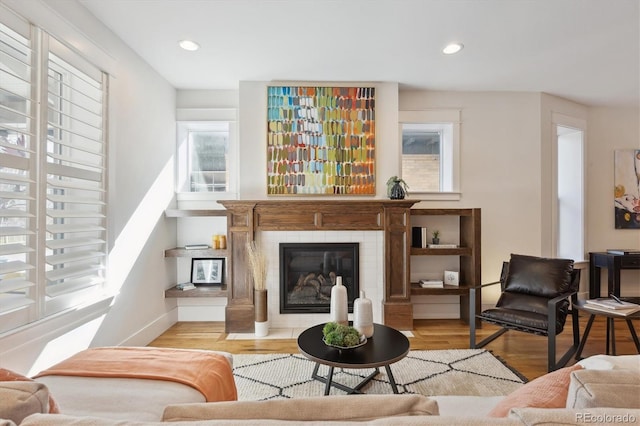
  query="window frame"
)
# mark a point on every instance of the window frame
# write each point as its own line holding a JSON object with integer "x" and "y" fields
{"x": 450, "y": 149}
{"x": 577, "y": 125}
{"x": 183, "y": 127}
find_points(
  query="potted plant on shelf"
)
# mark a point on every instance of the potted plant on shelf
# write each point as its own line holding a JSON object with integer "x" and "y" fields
{"x": 396, "y": 188}
{"x": 258, "y": 269}
{"x": 436, "y": 237}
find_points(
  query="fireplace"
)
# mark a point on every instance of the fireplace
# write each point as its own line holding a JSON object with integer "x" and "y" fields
{"x": 308, "y": 271}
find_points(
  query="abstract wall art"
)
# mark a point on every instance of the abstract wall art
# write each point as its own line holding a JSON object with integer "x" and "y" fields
{"x": 320, "y": 140}
{"x": 627, "y": 188}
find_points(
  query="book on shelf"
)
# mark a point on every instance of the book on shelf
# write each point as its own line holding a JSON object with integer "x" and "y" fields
{"x": 613, "y": 306}
{"x": 623, "y": 251}
{"x": 419, "y": 236}
{"x": 196, "y": 246}
{"x": 443, "y": 246}
{"x": 185, "y": 286}
{"x": 431, "y": 283}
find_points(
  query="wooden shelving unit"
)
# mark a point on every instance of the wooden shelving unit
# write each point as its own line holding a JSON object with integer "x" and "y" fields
{"x": 199, "y": 291}
{"x": 468, "y": 251}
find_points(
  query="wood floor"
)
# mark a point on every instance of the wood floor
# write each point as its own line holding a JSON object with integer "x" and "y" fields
{"x": 526, "y": 353}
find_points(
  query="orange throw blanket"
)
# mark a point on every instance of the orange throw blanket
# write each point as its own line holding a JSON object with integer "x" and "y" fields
{"x": 207, "y": 372}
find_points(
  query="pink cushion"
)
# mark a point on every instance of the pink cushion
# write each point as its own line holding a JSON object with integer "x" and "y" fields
{"x": 12, "y": 376}
{"x": 548, "y": 391}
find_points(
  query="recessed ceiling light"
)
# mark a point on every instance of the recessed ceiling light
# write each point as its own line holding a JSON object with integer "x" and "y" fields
{"x": 189, "y": 45}
{"x": 452, "y": 48}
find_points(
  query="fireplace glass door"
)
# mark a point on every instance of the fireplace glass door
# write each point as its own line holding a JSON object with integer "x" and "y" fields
{"x": 308, "y": 271}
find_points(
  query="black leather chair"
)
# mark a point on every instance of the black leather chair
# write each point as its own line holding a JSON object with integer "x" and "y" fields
{"x": 537, "y": 296}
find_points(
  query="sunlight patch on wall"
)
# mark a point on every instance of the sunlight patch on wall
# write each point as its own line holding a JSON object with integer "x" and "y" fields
{"x": 131, "y": 240}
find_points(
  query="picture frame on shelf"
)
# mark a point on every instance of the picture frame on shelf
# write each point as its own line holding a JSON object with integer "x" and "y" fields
{"x": 207, "y": 271}
{"x": 451, "y": 277}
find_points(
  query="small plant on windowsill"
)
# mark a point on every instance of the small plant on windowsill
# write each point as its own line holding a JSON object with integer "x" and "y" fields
{"x": 436, "y": 237}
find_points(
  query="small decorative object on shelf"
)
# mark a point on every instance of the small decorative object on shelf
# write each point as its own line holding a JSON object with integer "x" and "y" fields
{"x": 363, "y": 315}
{"x": 196, "y": 246}
{"x": 219, "y": 241}
{"x": 436, "y": 237}
{"x": 339, "y": 309}
{"x": 396, "y": 188}
{"x": 185, "y": 286}
{"x": 258, "y": 269}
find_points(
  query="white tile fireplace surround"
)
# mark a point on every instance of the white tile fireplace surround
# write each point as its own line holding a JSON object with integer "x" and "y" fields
{"x": 371, "y": 270}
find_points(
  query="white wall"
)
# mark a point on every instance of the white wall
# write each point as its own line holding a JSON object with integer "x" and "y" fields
{"x": 609, "y": 129}
{"x": 500, "y": 171}
{"x": 141, "y": 149}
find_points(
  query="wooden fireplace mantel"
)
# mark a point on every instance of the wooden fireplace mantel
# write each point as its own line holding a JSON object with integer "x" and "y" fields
{"x": 245, "y": 218}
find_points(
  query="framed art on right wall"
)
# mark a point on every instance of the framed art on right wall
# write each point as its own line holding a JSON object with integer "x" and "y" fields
{"x": 627, "y": 188}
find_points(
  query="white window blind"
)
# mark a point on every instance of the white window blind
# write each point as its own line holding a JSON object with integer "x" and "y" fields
{"x": 52, "y": 177}
{"x": 17, "y": 176}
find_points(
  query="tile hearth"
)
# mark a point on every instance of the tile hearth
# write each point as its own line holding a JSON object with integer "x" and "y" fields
{"x": 281, "y": 333}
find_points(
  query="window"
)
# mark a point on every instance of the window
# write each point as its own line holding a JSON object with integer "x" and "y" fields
{"x": 430, "y": 153}
{"x": 569, "y": 211}
{"x": 52, "y": 176}
{"x": 206, "y": 158}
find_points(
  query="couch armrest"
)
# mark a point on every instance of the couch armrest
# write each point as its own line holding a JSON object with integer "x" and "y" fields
{"x": 349, "y": 408}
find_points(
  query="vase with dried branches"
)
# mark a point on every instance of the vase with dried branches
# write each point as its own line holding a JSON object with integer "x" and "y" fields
{"x": 258, "y": 268}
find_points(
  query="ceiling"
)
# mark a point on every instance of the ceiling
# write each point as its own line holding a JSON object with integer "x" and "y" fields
{"x": 587, "y": 51}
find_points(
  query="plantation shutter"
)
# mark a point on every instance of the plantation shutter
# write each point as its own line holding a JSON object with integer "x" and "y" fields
{"x": 76, "y": 178}
{"x": 53, "y": 226}
{"x": 17, "y": 174}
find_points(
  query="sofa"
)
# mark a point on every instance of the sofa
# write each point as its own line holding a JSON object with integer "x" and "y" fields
{"x": 597, "y": 390}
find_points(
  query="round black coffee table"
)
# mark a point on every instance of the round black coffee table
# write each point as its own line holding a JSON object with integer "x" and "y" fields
{"x": 386, "y": 346}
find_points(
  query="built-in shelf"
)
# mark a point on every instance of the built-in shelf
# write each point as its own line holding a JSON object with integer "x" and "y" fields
{"x": 182, "y": 252}
{"x": 199, "y": 291}
{"x": 468, "y": 252}
{"x": 454, "y": 290}
{"x": 460, "y": 251}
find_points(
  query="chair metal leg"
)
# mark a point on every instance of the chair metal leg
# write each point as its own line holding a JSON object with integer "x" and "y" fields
{"x": 490, "y": 338}
{"x": 552, "y": 365}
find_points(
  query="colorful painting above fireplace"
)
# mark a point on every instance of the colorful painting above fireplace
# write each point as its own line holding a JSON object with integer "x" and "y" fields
{"x": 320, "y": 140}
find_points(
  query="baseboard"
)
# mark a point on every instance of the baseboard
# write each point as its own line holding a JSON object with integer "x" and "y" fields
{"x": 152, "y": 330}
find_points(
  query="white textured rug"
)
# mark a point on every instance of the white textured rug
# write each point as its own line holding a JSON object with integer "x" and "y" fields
{"x": 445, "y": 372}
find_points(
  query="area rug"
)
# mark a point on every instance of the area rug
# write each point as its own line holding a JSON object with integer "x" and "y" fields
{"x": 444, "y": 372}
